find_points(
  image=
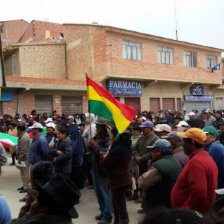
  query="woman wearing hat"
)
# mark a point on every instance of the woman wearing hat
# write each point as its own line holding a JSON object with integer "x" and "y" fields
{"x": 119, "y": 175}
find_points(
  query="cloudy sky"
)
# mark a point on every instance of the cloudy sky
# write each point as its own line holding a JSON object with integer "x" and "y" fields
{"x": 198, "y": 21}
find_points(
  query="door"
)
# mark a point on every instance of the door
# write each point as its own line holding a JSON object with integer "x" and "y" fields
{"x": 154, "y": 104}
{"x": 44, "y": 104}
{"x": 71, "y": 104}
{"x": 133, "y": 102}
{"x": 169, "y": 104}
{"x": 190, "y": 106}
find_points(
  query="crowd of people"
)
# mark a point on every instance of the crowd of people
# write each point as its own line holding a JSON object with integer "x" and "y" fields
{"x": 170, "y": 163}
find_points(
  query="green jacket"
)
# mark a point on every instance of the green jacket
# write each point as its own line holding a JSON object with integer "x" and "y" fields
{"x": 159, "y": 195}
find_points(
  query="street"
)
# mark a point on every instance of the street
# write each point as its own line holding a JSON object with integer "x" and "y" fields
{"x": 87, "y": 208}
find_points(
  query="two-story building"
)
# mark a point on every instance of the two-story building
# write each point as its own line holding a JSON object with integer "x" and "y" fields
{"x": 145, "y": 71}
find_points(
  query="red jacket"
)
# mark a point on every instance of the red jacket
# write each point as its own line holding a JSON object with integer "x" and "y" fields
{"x": 195, "y": 186}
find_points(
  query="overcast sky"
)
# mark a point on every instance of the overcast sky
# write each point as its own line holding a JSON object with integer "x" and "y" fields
{"x": 198, "y": 21}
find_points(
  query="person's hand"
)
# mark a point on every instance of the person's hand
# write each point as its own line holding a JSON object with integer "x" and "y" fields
{"x": 92, "y": 143}
{"x": 138, "y": 160}
{"x": 58, "y": 152}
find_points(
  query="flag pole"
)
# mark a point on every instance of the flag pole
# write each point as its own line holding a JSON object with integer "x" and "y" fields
{"x": 90, "y": 120}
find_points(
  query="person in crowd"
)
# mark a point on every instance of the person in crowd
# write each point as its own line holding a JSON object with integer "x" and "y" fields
{"x": 31, "y": 120}
{"x": 39, "y": 150}
{"x": 210, "y": 119}
{"x": 158, "y": 181}
{"x": 22, "y": 157}
{"x": 177, "y": 120}
{"x": 221, "y": 130}
{"x": 195, "y": 186}
{"x": 51, "y": 206}
{"x": 119, "y": 175}
{"x": 81, "y": 128}
{"x": 77, "y": 174}
{"x": 175, "y": 216}
{"x": 169, "y": 116}
{"x": 136, "y": 134}
{"x": 177, "y": 147}
{"x": 13, "y": 131}
{"x": 3, "y": 157}
{"x": 50, "y": 132}
{"x": 5, "y": 213}
{"x": 216, "y": 151}
{"x": 219, "y": 119}
{"x": 141, "y": 153}
{"x": 41, "y": 172}
{"x": 182, "y": 126}
{"x": 62, "y": 158}
{"x": 77, "y": 119}
{"x": 195, "y": 123}
{"x": 192, "y": 116}
{"x": 162, "y": 130}
{"x": 99, "y": 146}
{"x": 48, "y": 120}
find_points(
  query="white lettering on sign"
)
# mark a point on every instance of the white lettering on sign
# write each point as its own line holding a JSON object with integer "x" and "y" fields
{"x": 125, "y": 84}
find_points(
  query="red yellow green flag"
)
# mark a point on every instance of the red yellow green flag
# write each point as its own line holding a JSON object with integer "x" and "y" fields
{"x": 103, "y": 104}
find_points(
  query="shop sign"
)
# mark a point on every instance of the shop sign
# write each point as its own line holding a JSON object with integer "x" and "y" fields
{"x": 6, "y": 96}
{"x": 124, "y": 88}
{"x": 197, "y": 90}
{"x": 191, "y": 98}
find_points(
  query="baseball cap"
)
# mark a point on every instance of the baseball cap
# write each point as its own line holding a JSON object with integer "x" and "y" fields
{"x": 162, "y": 144}
{"x": 37, "y": 125}
{"x": 48, "y": 120}
{"x": 147, "y": 124}
{"x": 50, "y": 125}
{"x": 191, "y": 114}
{"x": 207, "y": 111}
{"x": 172, "y": 135}
{"x": 182, "y": 124}
{"x": 195, "y": 134}
{"x": 211, "y": 130}
{"x": 162, "y": 127}
{"x": 71, "y": 117}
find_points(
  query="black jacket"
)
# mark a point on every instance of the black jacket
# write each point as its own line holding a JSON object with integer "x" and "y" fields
{"x": 63, "y": 162}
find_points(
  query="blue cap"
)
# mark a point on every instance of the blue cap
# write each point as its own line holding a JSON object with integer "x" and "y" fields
{"x": 147, "y": 124}
{"x": 162, "y": 144}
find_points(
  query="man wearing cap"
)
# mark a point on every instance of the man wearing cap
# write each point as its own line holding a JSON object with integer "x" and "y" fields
{"x": 182, "y": 126}
{"x": 140, "y": 151}
{"x": 39, "y": 150}
{"x": 162, "y": 130}
{"x": 158, "y": 181}
{"x": 216, "y": 151}
{"x": 176, "y": 143}
{"x": 99, "y": 146}
{"x": 210, "y": 119}
{"x": 219, "y": 119}
{"x": 195, "y": 186}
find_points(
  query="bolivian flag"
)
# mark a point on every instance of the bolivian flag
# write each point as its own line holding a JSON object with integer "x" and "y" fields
{"x": 103, "y": 104}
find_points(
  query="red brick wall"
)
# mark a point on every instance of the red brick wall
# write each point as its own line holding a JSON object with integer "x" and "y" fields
{"x": 28, "y": 101}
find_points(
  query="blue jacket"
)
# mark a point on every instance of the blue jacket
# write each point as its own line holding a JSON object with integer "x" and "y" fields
{"x": 77, "y": 146}
{"x": 5, "y": 213}
{"x": 216, "y": 151}
{"x": 39, "y": 150}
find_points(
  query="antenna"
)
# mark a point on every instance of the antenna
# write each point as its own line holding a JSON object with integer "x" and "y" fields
{"x": 175, "y": 10}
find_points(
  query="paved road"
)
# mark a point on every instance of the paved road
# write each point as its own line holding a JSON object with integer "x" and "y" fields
{"x": 87, "y": 209}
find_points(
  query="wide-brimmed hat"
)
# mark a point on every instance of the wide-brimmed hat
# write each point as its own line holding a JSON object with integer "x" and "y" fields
{"x": 63, "y": 192}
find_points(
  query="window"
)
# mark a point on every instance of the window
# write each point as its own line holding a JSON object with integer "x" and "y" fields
{"x": 211, "y": 61}
{"x": 131, "y": 50}
{"x": 222, "y": 65}
{"x": 190, "y": 59}
{"x": 165, "y": 55}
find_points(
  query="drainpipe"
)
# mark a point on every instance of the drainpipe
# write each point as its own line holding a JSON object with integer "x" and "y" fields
{"x": 66, "y": 65}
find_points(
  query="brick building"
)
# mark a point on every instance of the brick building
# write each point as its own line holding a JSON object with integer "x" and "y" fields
{"x": 145, "y": 71}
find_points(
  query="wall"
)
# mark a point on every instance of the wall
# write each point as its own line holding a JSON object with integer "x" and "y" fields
{"x": 11, "y": 63}
{"x": 149, "y": 68}
{"x": 42, "y": 60}
{"x": 80, "y": 50}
